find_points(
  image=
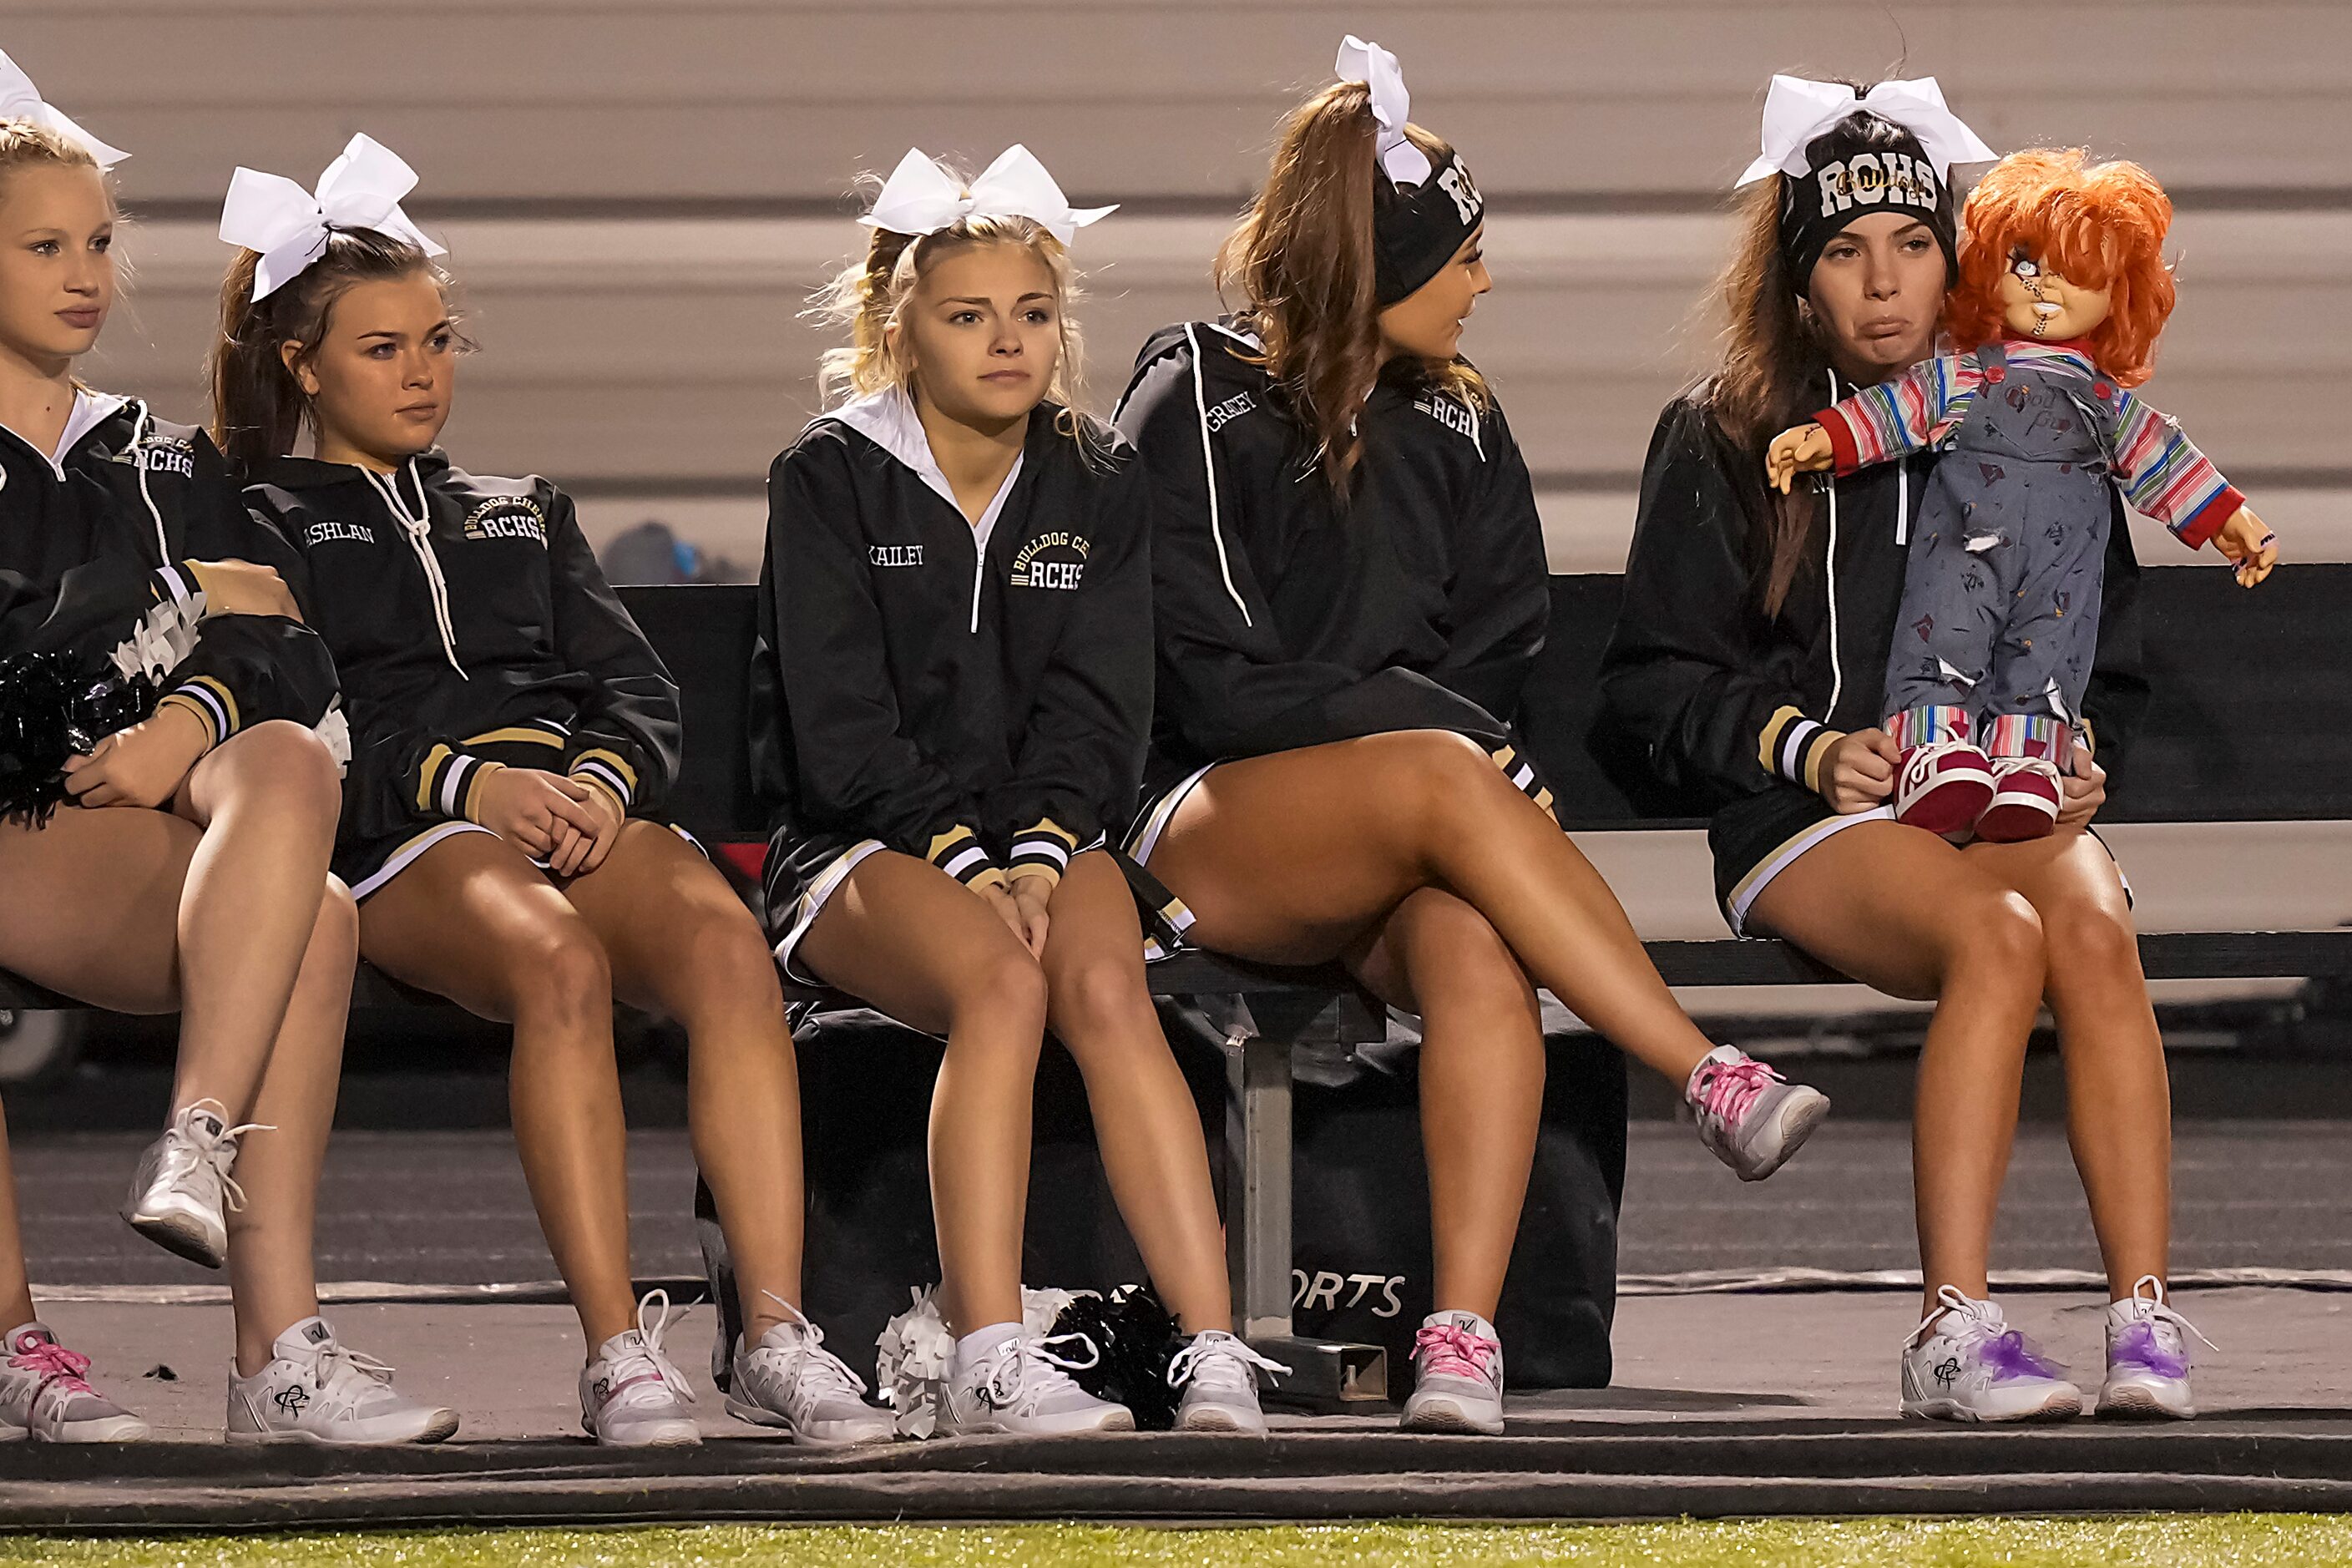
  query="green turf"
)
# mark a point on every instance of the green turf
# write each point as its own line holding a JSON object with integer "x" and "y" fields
{"x": 2239, "y": 1540}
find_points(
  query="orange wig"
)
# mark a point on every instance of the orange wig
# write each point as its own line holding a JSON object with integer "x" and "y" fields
{"x": 2098, "y": 225}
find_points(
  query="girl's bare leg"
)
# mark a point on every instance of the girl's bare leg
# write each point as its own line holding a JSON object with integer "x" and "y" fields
{"x": 1298, "y": 856}
{"x": 2118, "y": 1095}
{"x": 472, "y": 920}
{"x": 1903, "y": 911}
{"x": 1145, "y": 1120}
{"x": 681, "y": 944}
{"x": 1482, "y": 1081}
{"x": 912, "y": 941}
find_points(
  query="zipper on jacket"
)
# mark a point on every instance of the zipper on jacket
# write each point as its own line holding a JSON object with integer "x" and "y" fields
{"x": 418, "y": 528}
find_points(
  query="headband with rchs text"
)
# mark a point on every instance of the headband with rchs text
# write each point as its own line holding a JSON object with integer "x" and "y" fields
{"x": 1420, "y": 212}
{"x": 290, "y": 225}
{"x": 20, "y": 100}
{"x": 920, "y": 198}
{"x": 1837, "y": 172}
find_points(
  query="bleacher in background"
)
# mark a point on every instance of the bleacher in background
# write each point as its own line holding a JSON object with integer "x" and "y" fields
{"x": 638, "y": 192}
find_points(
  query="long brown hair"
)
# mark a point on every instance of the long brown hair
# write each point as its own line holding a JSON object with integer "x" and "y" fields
{"x": 258, "y": 406}
{"x": 1774, "y": 372}
{"x": 1301, "y": 264}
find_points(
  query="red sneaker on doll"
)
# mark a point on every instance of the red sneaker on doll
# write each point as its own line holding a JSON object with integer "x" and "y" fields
{"x": 2062, "y": 290}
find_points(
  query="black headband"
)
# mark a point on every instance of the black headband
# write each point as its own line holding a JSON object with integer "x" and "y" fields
{"x": 1852, "y": 171}
{"x": 1416, "y": 229}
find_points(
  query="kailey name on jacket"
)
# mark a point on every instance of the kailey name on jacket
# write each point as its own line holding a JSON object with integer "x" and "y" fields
{"x": 1033, "y": 568}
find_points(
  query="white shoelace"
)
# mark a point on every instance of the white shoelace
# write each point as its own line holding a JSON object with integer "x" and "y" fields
{"x": 1013, "y": 1364}
{"x": 2158, "y": 1307}
{"x": 1220, "y": 1361}
{"x": 649, "y": 1350}
{"x": 182, "y": 1138}
{"x": 808, "y": 1360}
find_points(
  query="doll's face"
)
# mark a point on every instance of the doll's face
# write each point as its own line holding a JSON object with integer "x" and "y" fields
{"x": 2038, "y": 302}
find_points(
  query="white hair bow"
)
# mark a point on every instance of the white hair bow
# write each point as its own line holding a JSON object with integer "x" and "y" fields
{"x": 1797, "y": 110}
{"x": 920, "y": 198}
{"x": 288, "y": 226}
{"x": 1406, "y": 163}
{"x": 19, "y": 100}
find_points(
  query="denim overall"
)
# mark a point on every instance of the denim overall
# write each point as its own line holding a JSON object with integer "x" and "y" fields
{"x": 2000, "y": 619}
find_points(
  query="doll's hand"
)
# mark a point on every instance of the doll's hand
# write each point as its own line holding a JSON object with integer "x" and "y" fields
{"x": 142, "y": 765}
{"x": 2246, "y": 540}
{"x": 1804, "y": 448}
{"x": 1859, "y": 771}
{"x": 2082, "y": 788}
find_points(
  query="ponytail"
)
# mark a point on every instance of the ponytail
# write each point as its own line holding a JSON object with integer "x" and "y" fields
{"x": 1301, "y": 264}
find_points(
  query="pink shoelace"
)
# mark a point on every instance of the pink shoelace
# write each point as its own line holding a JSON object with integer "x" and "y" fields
{"x": 56, "y": 1363}
{"x": 1726, "y": 1089}
{"x": 1445, "y": 1350}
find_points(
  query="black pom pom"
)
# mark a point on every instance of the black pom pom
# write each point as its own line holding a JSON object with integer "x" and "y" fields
{"x": 1135, "y": 1339}
{"x": 48, "y": 712}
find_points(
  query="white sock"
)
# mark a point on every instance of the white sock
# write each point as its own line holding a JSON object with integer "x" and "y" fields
{"x": 978, "y": 1343}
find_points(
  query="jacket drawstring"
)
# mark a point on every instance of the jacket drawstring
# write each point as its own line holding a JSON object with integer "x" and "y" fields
{"x": 418, "y": 526}
{"x": 138, "y": 433}
{"x": 1837, "y": 665}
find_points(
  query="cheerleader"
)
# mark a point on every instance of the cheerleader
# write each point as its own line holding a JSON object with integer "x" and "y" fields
{"x": 179, "y": 862}
{"x": 1350, "y": 589}
{"x": 513, "y": 735}
{"x": 950, "y": 700}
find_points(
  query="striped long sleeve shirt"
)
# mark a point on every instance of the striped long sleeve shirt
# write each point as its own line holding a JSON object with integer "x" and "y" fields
{"x": 2161, "y": 471}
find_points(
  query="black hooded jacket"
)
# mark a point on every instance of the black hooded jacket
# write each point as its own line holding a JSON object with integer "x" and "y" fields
{"x": 468, "y": 618}
{"x": 98, "y": 556}
{"x": 1725, "y": 701}
{"x": 1285, "y": 620}
{"x": 974, "y": 696}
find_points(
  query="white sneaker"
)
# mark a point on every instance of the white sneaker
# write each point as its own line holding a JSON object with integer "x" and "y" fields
{"x": 1023, "y": 1388}
{"x": 2147, "y": 1356}
{"x": 1963, "y": 1363}
{"x": 1750, "y": 1116}
{"x": 44, "y": 1393}
{"x": 316, "y": 1391}
{"x": 790, "y": 1379}
{"x": 183, "y": 1186}
{"x": 1218, "y": 1374}
{"x": 1459, "y": 1385}
{"x": 632, "y": 1395}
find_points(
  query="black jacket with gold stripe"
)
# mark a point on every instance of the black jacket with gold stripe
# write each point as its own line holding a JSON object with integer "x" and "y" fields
{"x": 975, "y": 694}
{"x": 474, "y": 630}
{"x": 97, "y": 559}
{"x": 1286, "y": 619}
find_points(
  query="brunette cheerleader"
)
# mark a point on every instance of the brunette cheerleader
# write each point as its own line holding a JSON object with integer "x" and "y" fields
{"x": 513, "y": 734}
{"x": 1351, "y": 590}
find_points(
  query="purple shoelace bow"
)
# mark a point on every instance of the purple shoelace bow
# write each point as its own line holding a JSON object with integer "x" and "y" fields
{"x": 2011, "y": 1355}
{"x": 2137, "y": 1346}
